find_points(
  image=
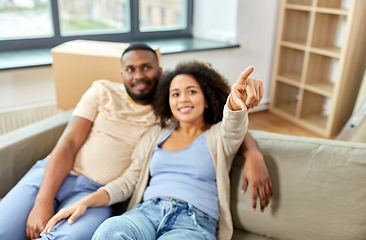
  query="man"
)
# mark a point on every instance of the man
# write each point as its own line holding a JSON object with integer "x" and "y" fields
{"x": 95, "y": 149}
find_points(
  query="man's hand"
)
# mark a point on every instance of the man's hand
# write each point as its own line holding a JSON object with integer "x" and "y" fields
{"x": 246, "y": 92}
{"x": 255, "y": 175}
{"x": 58, "y": 167}
{"x": 38, "y": 219}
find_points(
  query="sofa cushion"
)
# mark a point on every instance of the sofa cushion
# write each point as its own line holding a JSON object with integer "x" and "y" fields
{"x": 319, "y": 189}
{"x": 243, "y": 235}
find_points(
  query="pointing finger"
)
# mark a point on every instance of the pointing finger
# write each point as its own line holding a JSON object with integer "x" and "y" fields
{"x": 244, "y": 75}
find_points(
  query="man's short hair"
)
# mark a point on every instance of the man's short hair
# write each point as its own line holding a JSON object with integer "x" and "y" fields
{"x": 139, "y": 46}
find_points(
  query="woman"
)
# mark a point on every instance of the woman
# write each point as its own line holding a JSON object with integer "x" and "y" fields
{"x": 188, "y": 160}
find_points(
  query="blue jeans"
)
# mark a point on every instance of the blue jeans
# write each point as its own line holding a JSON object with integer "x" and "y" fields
{"x": 159, "y": 218}
{"x": 17, "y": 204}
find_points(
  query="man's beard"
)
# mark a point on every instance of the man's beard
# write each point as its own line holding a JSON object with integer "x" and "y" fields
{"x": 142, "y": 96}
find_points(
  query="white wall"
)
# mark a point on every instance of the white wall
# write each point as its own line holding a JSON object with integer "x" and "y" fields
{"x": 252, "y": 24}
{"x": 215, "y": 20}
{"x": 26, "y": 86}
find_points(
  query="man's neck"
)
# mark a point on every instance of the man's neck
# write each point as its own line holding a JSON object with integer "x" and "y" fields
{"x": 140, "y": 102}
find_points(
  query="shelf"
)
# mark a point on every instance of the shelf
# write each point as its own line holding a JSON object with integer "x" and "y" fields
{"x": 323, "y": 88}
{"x": 300, "y": 45}
{"x": 291, "y": 63}
{"x": 286, "y": 102}
{"x": 300, "y": 2}
{"x": 335, "y": 4}
{"x": 298, "y": 7}
{"x": 334, "y": 52}
{"x": 321, "y": 73}
{"x": 333, "y": 11}
{"x": 290, "y": 78}
{"x": 317, "y": 122}
{"x": 314, "y": 109}
{"x": 329, "y": 32}
{"x": 287, "y": 109}
{"x": 296, "y": 26}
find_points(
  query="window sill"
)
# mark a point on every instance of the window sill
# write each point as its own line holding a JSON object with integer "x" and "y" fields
{"x": 42, "y": 57}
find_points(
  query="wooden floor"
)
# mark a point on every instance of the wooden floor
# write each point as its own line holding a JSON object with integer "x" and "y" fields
{"x": 266, "y": 121}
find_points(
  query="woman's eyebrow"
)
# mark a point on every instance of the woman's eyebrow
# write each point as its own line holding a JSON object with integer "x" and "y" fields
{"x": 176, "y": 89}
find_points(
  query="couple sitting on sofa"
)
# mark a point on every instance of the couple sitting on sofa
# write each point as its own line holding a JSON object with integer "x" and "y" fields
{"x": 91, "y": 165}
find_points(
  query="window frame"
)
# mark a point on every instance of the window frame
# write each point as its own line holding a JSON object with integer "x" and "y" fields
{"x": 134, "y": 35}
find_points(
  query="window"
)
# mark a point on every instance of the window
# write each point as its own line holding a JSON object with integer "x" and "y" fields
{"x": 82, "y": 17}
{"x": 25, "y": 19}
{"x": 160, "y": 15}
{"x": 30, "y": 24}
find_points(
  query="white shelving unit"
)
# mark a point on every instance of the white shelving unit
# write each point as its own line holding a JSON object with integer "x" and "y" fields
{"x": 319, "y": 62}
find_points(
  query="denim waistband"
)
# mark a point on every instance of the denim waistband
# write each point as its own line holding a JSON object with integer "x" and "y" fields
{"x": 190, "y": 208}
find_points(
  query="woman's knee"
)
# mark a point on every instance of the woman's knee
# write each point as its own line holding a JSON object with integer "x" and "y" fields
{"x": 122, "y": 227}
{"x": 109, "y": 228}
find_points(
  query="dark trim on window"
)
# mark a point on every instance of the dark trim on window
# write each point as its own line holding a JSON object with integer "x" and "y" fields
{"x": 55, "y": 19}
{"x": 133, "y": 35}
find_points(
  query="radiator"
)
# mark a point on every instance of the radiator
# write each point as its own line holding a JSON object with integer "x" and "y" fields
{"x": 12, "y": 119}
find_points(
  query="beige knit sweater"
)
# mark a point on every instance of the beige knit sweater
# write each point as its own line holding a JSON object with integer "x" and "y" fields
{"x": 223, "y": 140}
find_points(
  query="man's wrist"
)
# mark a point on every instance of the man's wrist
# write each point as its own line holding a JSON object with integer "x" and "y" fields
{"x": 252, "y": 154}
{"x": 43, "y": 200}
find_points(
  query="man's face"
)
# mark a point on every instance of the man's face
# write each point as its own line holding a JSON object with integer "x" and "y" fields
{"x": 140, "y": 73}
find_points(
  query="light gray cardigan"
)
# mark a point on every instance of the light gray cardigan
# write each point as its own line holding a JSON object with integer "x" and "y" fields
{"x": 223, "y": 140}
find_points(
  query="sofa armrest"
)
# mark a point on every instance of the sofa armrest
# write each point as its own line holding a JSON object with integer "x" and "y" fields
{"x": 21, "y": 148}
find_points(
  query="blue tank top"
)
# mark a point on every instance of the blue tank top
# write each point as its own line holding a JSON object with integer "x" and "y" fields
{"x": 188, "y": 174}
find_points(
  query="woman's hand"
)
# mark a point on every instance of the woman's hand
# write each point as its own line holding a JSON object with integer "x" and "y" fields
{"x": 73, "y": 211}
{"x": 247, "y": 92}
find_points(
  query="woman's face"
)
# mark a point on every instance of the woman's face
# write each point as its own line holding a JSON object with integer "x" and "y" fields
{"x": 186, "y": 99}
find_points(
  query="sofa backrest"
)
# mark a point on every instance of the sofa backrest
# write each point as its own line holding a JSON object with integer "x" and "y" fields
{"x": 319, "y": 189}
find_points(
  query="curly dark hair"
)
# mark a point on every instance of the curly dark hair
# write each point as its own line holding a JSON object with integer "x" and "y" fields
{"x": 214, "y": 86}
{"x": 139, "y": 46}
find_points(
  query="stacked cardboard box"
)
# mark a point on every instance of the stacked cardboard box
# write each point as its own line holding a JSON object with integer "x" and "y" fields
{"x": 76, "y": 64}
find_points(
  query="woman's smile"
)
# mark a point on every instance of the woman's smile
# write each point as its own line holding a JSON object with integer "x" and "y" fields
{"x": 185, "y": 109}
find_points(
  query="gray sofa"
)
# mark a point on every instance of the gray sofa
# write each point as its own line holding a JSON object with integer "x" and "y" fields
{"x": 319, "y": 185}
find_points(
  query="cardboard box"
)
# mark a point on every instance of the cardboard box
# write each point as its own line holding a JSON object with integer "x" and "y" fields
{"x": 76, "y": 64}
